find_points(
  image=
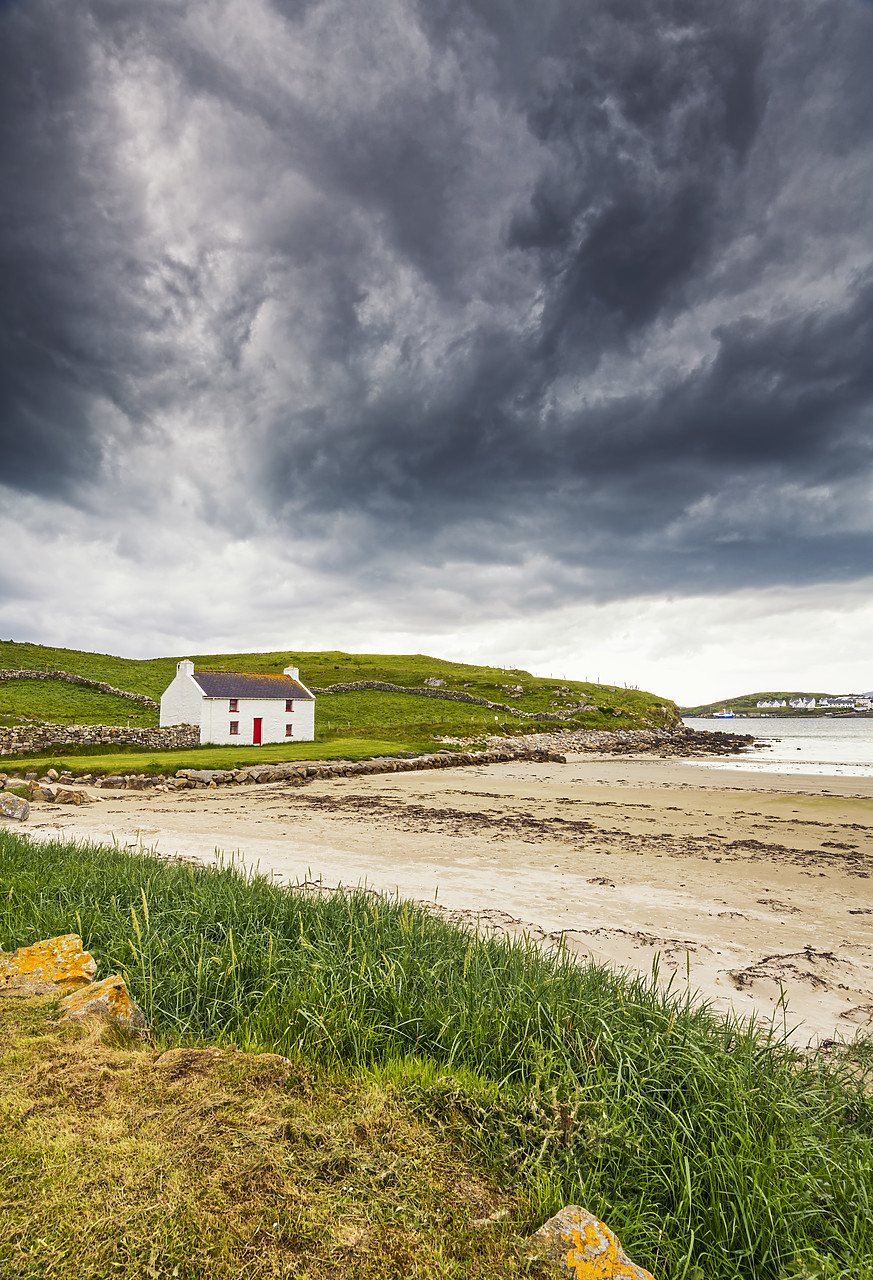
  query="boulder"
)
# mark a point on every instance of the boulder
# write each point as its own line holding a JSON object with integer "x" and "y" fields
{"x": 64, "y": 796}
{"x": 435, "y": 682}
{"x": 54, "y": 963}
{"x": 44, "y": 792}
{"x": 585, "y": 1247}
{"x": 12, "y": 806}
{"x": 109, "y": 998}
{"x": 196, "y": 775}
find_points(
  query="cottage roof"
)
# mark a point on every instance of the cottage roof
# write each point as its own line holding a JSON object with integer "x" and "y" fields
{"x": 245, "y": 684}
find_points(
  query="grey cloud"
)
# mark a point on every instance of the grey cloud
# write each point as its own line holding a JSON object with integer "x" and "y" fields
{"x": 477, "y": 281}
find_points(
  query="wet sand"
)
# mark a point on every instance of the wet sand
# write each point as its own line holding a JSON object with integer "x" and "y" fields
{"x": 750, "y": 886}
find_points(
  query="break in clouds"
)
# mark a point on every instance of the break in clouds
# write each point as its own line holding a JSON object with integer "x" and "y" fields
{"x": 532, "y": 303}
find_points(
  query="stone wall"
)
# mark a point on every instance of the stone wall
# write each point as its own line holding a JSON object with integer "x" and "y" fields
{"x": 452, "y": 695}
{"x": 23, "y": 739}
{"x": 308, "y": 771}
{"x": 65, "y": 678}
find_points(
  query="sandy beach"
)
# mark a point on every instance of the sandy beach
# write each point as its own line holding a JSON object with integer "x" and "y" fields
{"x": 750, "y": 886}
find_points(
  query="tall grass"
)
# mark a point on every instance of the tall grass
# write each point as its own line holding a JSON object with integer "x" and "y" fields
{"x": 713, "y": 1149}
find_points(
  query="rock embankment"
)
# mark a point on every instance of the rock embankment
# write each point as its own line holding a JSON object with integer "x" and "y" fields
{"x": 54, "y": 788}
{"x": 661, "y": 742}
{"x": 536, "y": 747}
{"x": 300, "y": 772}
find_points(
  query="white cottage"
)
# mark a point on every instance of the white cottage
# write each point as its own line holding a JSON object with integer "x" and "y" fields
{"x": 239, "y": 706}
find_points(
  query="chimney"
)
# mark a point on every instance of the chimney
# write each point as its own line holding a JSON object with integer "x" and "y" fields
{"x": 293, "y": 672}
{"x": 185, "y": 667}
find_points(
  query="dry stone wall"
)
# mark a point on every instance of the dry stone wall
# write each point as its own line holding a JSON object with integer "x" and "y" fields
{"x": 65, "y": 678}
{"x": 25, "y": 739}
{"x": 452, "y": 695}
{"x": 308, "y": 771}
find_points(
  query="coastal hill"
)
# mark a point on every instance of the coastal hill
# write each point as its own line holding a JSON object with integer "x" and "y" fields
{"x": 525, "y": 697}
{"x": 747, "y": 704}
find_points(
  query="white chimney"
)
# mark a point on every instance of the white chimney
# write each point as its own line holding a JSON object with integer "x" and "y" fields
{"x": 185, "y": 667}
{"x": 293, "y": 672}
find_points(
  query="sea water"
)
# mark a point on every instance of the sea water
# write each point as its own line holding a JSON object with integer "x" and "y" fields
{"x": 810, "y": 744}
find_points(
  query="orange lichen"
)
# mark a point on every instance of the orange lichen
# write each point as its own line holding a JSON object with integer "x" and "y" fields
{"x": 109, "y": 998}
{"x": 59, "y": 962}
{"x": 594, "y": 1252}
{"x": 597, "y": 1255}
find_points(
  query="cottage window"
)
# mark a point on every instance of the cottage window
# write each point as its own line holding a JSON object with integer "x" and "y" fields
{"x": 234, "y": 726}
{"x": 289, "y": 731}
{"x": 289, "y": 704}
{"x": 233, "y": 705}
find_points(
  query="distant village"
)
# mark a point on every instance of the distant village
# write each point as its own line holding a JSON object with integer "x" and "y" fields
{"x": 845, "y": 702}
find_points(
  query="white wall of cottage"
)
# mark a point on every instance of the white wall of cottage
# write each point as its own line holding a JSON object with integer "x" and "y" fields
{"x": 183, "y": 702}
{"x": 182, "y": 698}
{"x": 217, "y": 717}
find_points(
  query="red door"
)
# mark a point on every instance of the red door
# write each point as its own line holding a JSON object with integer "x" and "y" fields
{"x": 256, "y": 731}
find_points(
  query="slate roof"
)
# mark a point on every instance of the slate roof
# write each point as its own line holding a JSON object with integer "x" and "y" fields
{"x": 242, "y": 684}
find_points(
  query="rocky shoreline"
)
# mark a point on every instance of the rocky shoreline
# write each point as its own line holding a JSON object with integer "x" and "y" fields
{"x": 661, "y": 742}
{"x": 536, "y": 747}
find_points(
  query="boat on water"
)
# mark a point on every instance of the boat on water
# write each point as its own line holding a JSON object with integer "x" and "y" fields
{"x": 724, "y": 714}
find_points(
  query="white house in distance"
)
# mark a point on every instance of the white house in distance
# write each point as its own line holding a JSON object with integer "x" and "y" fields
{"x": 240, "y": 707}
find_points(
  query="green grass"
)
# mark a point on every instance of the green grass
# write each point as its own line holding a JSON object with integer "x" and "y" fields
{"x": 713, "y": 1150}
{"x": 62, "y": 703}
{"x": 360, "y": 711}
{"x": 146, "y": 760}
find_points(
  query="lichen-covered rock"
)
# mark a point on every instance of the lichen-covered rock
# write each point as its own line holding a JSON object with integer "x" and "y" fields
{"x": 55, "y": 963}
{"x": 109, "y": 998}
{"x": 585, "y": 1247}
{"x": 46, "y": 792}
{"x": 12, "y": 806}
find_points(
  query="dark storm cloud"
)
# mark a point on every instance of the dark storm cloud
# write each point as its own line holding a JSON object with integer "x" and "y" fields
{"x": 452, "y": 281}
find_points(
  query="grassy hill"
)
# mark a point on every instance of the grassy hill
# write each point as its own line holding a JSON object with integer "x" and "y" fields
{"x": 746, "y": 703}
{"x": 363, "y": 713}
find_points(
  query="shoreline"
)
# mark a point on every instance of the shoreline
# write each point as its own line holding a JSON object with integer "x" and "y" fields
{"x": 747, "y": 885}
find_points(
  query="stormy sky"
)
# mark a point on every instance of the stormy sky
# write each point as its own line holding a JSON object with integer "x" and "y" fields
{"x": 539, "y": 334}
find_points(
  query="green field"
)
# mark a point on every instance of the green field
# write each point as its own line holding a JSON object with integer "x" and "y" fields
{"x": 369, "y": 717}
{"x": 713, "y": 1149}
{"x": 67, "y": 704}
